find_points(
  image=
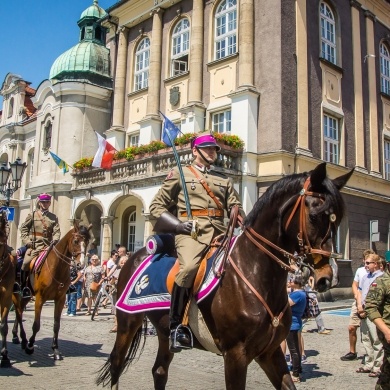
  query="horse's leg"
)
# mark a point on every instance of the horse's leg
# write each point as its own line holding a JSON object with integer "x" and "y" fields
{"x": 58, "y": 307}
{"x": 163, "y": 360}
{"x": 36, "y": 324}
{"x": 276, "y": 369}
{"x": 19, "y": 305}
{"x": 5, "y": 306}
{"x": 236, "y": 367}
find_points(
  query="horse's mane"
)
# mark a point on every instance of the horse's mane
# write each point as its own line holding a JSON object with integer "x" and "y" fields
{"x": 83, "y": 230}
{"x": 290, "y": 186}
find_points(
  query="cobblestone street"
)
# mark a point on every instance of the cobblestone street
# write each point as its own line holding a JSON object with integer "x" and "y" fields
{"x": 85, "y": 346}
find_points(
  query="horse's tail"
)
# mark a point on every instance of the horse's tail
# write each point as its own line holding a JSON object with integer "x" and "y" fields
{"x": 104, "y": 377}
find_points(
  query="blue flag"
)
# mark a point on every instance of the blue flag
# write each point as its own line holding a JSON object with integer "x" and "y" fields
{"x": 60, "y": 162}
{"x": 170, "y": 131}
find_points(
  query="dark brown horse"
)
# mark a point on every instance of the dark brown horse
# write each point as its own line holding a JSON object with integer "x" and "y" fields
{"x": 248, "y": 315}
{"x": 53, "y": 280}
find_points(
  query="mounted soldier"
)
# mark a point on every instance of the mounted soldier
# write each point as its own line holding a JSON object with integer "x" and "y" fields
{"x": 39, "y": 231}
{"x": 210, "y": 197}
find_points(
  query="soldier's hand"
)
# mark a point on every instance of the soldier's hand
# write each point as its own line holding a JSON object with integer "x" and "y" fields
{"x": 55, "y": 242}
{"x": 184, "y": 228}
{"x": 28, "y": 245}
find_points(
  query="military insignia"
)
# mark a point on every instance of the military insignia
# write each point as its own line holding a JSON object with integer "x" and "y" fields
{"x": 170, "y": 175}
{"x": 174, "y": 96}
{"x": 142, "y": 284}
{"x": 374, "y": 284}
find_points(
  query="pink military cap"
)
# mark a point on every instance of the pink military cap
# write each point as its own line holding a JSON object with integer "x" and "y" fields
{"x": 204, "y": 141}
{"x": 44, "y": 197}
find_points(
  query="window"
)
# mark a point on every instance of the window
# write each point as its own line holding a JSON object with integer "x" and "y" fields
{"x": 226, "y": 29}
{"x": 30, "y": 166}
{"x": 328, "y": 33}
{"x": 134, "y": 140}
{"x": 387, "y": 159}
{"x": 180, "y": 47}
{"x": 131, "y": 230}
{"x": 11, "y": 107}
{"x": 142, "y": 57}
{"x": 385, "y": 69}
{"x": 47, "y": 135}
{"x": 331, "y": 139}
{"x": 222, "y": 122}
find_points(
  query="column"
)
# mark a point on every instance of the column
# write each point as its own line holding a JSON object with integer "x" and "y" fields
{"x": 154, "y": 81}
{"x": 106, "y": 238}
{"x": 196, "y": 54}
{"x": 357, "y": 81}
{"x": 245, "y": 43}
{"x": 373, "y": 104}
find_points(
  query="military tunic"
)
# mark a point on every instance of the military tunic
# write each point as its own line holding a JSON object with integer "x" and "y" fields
{"x": 190, "y": 251}
{"x": 39, "y": 230}
{"x": 377, "y": 305}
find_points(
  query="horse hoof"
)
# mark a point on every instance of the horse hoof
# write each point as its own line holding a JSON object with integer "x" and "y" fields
{"x": 57, "y": 357}
{"x": 29, "y": 350}
{"x": 5, "y": 363}
{"x": 24, "y": 345}
{"x": 15, "y": 340}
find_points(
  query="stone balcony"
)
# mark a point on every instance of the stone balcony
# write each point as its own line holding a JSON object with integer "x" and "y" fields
{"x": 150, "y": 169}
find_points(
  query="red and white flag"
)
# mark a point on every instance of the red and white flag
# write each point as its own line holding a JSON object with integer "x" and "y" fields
{"x": 105, "y": 154}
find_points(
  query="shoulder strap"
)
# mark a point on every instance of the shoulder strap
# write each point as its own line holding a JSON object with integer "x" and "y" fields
{"x": 210, "y": 193}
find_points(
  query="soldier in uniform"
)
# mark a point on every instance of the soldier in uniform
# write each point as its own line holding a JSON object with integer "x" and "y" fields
{"x": 208, "y": 210}
{"x": 39, "y": 230}
{"x": 377, "y": 307}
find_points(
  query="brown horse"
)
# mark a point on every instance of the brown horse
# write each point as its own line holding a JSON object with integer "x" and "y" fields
{"x": 52, "y": 282}
{"x": 248, "y": 315}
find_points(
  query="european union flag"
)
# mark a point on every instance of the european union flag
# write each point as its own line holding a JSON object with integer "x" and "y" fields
{"x": 170, "y": 131}
{"x": 60, "y": 162}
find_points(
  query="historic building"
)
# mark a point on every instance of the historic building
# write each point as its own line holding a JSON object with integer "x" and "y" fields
{"x": 298, "y": 81}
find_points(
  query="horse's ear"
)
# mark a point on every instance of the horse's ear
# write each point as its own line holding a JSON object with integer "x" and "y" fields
{"x": 318, "y": 175}
{"x": 340, "y": 181}
{"x": 76, "y": 225}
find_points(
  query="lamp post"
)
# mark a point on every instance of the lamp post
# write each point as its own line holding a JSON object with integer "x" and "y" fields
{"x": 10, "y": 178}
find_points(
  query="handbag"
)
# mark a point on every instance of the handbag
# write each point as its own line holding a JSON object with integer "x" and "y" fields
{"x": 94, "y": 286}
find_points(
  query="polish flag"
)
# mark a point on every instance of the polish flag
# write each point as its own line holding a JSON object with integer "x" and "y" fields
{"x": 105, "y": 154}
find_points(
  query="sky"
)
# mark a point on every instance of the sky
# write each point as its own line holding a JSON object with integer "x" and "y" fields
{"x": 35, "y": 33}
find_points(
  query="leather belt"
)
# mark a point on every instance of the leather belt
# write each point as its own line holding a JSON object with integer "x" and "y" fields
{"x": 205, "y": 213}
{"x": 37, "y": 234}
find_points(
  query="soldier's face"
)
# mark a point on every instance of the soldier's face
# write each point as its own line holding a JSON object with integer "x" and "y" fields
{"x": 45, "y": 204}
{"x": 210, "y": 153}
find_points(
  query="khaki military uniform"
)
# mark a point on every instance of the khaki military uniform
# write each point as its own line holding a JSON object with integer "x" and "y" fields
{"x": 378, "y": 306}
{"x": 38, "y": 230}
{"x": 190, "y": 251}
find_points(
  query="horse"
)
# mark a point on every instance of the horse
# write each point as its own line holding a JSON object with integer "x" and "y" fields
{"x": 248, "y": 315}
{"x": 7, "y": 280}
{"x": 51, "y": 282}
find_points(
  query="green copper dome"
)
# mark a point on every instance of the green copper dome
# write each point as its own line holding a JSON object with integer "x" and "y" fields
{"x": 89, "y": 59}
{"x": 94, "y": 11}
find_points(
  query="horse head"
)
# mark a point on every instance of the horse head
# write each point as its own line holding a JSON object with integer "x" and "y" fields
{"x": 78, "y": 242}
{"x": 316, "y": 213}
{"x": 3, "y": 228}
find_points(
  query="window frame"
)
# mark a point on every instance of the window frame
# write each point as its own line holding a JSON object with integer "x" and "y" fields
{"x": 225, "y": 124}
{"x": 131, "y": 230}
{"x": 142, "y": 60}
{"x": 225, "y": 43}
{"x": 384, "y": 66}
{"x": 329, "y": 141}
{"x": 386, "y": 159}
{"x": 328, "y": 46}
{"x": 131, "y": 136}
{"x": 180, "y": 39}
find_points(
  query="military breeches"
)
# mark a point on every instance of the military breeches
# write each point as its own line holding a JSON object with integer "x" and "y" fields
{"x": 190, "y": 253}
{"x": 383, "y": 382}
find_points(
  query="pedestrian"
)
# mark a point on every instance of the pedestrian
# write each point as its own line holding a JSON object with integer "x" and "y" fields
{"x": 93, "y": 277}
{"x": 378, "y": 310}
{"x": 210, "y": 195}
{"x": 71, "y": 294}
{"x": 39, "y": 231}
{"x": 91, "y": 251}
{"x": 354, "y": 320}
{"x": 370, "y": 340}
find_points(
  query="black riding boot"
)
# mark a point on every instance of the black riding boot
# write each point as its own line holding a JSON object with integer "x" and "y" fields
{"x": 26, "y": 292}
{"x": 181, "y": 337}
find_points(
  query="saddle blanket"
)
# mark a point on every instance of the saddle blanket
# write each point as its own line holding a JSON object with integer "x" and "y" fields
{"x": 147, "y": 290}
{"x": 39, "y": 260}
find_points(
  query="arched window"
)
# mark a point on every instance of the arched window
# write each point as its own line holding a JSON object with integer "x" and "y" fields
{"x": 131, "y": 231}
{"x": 385, "y": 69}
{"x": 30, "y": 166}
{"x": 142, "y": 57}
{"x": 180, "y": 47}
{"x": 11, "y": 107}
{"x": 226, "y": 29}
{"x": 47, "y": 137}
{"x": 328, "y": 33}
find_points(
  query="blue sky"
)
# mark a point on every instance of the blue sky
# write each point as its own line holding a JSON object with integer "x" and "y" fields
{"x": 35, "y": 33}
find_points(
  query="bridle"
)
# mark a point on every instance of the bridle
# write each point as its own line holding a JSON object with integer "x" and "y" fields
{"x": 4, "y": 256}
{"x": 74, "y": 255}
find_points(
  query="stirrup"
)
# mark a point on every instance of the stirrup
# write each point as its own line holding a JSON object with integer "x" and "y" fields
{"x": 175, "y": 344}
{"x": 16, "y": 288}
{"x": 26, "y": 292}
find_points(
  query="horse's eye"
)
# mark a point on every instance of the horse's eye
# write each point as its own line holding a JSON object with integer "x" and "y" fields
{"x": 313, "y": 218}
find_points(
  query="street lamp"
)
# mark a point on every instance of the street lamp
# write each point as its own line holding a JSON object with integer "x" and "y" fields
{"x": 15, "y": 172}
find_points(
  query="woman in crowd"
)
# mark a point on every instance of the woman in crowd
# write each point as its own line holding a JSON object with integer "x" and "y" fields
{"x": 93, "y": 274}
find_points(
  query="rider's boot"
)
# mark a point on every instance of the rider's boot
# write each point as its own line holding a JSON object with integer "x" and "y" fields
{"x": 16, "y": 289}
{"x": 26, "y": 292}
{"x": 180, "y": 337}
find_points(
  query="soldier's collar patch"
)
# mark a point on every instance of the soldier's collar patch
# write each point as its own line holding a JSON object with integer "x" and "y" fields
{"x": 374, "y": 284}
{"x": 202, "y": 168}
{"x": 170, "y": 175}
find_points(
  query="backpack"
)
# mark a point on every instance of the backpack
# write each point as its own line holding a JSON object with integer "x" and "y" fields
{"x": 312, "y": 309}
